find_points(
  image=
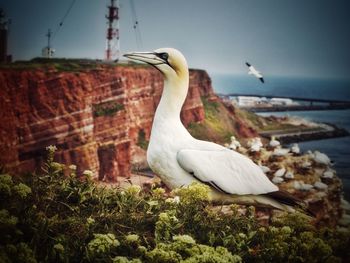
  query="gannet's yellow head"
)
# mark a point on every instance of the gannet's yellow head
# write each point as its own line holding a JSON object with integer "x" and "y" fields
{"x": 169, "y": 61}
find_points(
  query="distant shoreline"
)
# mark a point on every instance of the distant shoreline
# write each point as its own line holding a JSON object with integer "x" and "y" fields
{"x": 297, "y": 108}
{"x": 286, "y": 137}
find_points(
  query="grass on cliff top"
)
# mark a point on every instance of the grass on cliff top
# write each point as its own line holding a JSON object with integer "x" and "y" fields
{"x": 50, "y": 217}
{"x": 67, "y": 64}
{"x": 217, "y": 126}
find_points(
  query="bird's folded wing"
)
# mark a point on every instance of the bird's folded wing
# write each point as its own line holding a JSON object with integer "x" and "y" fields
{"x": 226, "y": 170}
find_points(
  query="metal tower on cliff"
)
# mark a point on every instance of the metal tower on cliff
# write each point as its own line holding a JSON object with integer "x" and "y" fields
{"x": 48, "y": 51}
{"x": 112, "y": 45}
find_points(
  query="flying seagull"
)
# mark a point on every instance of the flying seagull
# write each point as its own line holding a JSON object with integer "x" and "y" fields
{"x": 179, "y": 159}
{"x": 253, "y": 71}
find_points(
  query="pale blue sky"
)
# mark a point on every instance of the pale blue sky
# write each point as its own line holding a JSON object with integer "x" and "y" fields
{"x": 280, "y": 37}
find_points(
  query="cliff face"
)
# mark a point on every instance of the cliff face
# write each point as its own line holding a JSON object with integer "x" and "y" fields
{"x": 95, "y": 118}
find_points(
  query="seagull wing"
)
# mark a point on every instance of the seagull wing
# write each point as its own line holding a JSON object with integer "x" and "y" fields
{"x": 225, "y": 170}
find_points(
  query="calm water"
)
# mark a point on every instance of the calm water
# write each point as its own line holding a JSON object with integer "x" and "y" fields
{"x": 337, "y": 149}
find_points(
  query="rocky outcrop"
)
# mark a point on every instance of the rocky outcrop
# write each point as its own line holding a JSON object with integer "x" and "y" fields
{"x": 94, "y": 117}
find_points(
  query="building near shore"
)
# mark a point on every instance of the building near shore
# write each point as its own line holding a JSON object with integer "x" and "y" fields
{"x": 282, "y": 102}
{"x": 247, "y": 101}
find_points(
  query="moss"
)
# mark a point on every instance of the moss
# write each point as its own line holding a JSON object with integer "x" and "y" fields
{"x": 217, "y": 126}
{"x": 141, "y": 140}
{"x": 107, "y": 109}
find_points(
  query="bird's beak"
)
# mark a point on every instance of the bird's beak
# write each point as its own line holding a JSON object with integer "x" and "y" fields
{"x": 147, "y": 57}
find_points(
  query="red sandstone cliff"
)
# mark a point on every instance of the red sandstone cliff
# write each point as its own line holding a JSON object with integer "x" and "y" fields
{"x": 94, "y": 117}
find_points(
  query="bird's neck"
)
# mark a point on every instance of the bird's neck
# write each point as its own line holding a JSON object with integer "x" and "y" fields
{"x": 173, "y": 97}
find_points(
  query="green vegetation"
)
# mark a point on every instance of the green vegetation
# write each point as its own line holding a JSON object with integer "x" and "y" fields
{"x": 107, "y": 109}
{"x": 141, "y": 140}
{"x": 66, "y": 64}
{"x": 271, "y": 124}
{"x": 50, "y": 217}
{"x": 58, "y": 64}
{"x": 218, "y": 125}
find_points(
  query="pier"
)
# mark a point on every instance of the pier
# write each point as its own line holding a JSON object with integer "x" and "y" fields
{"x": 306, "y": 104}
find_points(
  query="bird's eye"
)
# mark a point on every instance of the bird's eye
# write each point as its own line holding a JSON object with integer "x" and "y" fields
{"x": 163, "y": 56}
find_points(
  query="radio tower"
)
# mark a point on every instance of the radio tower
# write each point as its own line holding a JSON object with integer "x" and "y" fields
{"x": 112, "y": 49}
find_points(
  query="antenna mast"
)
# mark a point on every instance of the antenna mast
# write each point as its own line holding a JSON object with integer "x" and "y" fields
{"x": 47, "y": 52}
{"x": 113, "y": 45}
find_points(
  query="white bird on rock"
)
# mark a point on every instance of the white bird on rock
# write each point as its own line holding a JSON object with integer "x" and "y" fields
{"x": 295, "y": 148}
{"x": 179, "y": 159}
{"x": 321, "y": 158}
{"x": 234, "y": 143}
{"x": 253, "y": 71}
{"x": 273, "y": 142}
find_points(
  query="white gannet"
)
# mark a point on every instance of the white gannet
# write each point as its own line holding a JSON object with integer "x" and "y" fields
{"x": 280, "y": 172}
{"x": 329, "y": 173}
{"x": 289, "y": 175}
{"x": 253, "y": 71}
{"x": 273, "y": 142}
{"x": 295, "y": 148}
{"x": 264, "y": 168}
{"x": 234, "y": 143}
{"x": 321, "y": 158}
{"x": 179, "y": 159}
{"x": 278, "y": 151}
{"x": 300, "y": 185}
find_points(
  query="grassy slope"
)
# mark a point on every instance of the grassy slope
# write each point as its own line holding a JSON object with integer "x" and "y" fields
{"x": 219, "y": 125}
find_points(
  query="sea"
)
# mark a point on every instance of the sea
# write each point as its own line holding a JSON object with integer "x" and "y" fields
{"x": 338, "y": 149}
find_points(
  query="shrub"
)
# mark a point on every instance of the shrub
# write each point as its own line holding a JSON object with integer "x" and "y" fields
{"x": 49, "y": 217}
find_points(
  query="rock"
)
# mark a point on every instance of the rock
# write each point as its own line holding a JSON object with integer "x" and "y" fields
{"x": 97, "y": 119}
{"x": 344, "y": 220}
{"x": 320, "y": 186}
{"x": 345, "y": 205}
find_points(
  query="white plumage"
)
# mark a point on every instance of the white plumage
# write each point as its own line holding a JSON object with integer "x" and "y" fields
{"x": 180, "y": 159}
{"x": 234, "y": 143}
{"x": 273, "y": 142}
{"x": 295, "y": 148}
{"x": 321, "y": 158}
{"x": 254, "y": 72}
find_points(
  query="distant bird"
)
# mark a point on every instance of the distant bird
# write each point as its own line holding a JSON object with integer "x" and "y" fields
{"x": 264, "y": 168}
{"x": 179, "y": 159}
{"x": 255, "y": 145}
{"x": 321, "y": 158}
{"x": 300, "y": 185}
{"x": 289, "y": 175}
{"x": 295, "y": 148}
{"x": 234, "y": 143}
{"x": 253, "y": 71}
{"x": 273, "y": 142}
{"x": 280, "y": 151}
{"x": 328, "y": 174}
{"x": 277, "y": 180}
{"x": 280, "y": 172}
